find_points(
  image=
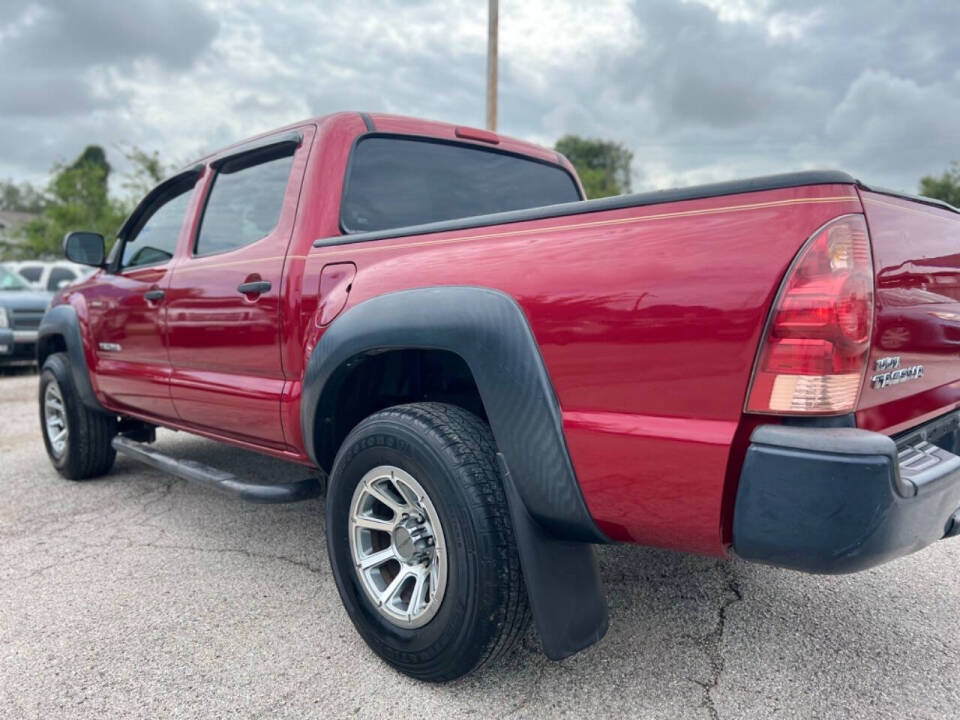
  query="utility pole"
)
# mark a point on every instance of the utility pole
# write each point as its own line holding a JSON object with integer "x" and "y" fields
{"x": 493, "y": 20}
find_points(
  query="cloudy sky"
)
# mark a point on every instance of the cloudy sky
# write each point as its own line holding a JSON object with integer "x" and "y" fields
{"x": 700, "y": 90}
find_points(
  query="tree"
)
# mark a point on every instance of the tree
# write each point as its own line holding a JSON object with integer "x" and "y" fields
{"x": 22, "y": 198}
{"x": 146, "y": 170}
{"x": 78, "y": 198}
{"x": 946, "y": 187}
{"x": 603, "y": 165}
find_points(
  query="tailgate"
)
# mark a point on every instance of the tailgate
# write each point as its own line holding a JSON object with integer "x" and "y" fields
{"x": 914, "y": 365}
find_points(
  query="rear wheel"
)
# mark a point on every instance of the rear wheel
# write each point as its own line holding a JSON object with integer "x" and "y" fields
{"x": 420, "y": 541}
{"x": 77, "y": 438}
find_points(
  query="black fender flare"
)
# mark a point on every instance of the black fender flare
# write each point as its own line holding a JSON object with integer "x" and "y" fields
{"x": 62, "y": 320}
{"x": 489, "y": 331}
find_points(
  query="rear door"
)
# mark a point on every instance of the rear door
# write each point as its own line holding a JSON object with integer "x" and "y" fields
{"x": 223, "y": 301}
{"x": 914, "y": 370}
{"x": 126, "y": 305}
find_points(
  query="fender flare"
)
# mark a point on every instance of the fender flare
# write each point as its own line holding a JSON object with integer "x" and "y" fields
{"x": 62, "y": 321}
{"x": 551, "y": 522}
{"x": 489, "y": 331}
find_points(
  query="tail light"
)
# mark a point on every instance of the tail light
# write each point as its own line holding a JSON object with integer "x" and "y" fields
{"x": 813, "y": 354}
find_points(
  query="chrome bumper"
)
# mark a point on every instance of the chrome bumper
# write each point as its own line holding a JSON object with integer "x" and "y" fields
{"x": 9, "y": 338}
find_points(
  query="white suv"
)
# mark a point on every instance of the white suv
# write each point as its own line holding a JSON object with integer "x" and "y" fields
{"x": 49, "y": 276}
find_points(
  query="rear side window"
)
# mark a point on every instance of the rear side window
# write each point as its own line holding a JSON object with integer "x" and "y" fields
{"x": 396, "y": 181}
{"x": 31, "y": 272}
{"x": 244, "y": 204}
{"x": 58, "y": 275}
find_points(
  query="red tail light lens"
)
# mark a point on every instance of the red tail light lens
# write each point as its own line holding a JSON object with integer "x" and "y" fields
{"x": 813, "y": 355}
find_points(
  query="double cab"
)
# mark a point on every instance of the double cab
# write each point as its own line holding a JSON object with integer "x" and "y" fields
{"x": 489, "y": 375}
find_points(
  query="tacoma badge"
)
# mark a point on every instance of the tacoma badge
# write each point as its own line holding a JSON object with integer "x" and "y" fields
{"x": 890, "y": 372}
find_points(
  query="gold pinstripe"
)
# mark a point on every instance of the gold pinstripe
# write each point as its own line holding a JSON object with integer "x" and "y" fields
{"x": 618, "y": 221}
{"x": 529, "y": 231}
{"x": 931, "y": 213}
{"x": 235, "y": 263}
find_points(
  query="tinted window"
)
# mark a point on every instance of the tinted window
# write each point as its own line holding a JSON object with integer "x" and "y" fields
{"x": 395, "y": 182}
{"x": 157, "y": 239}
{"x": 244, "y": 205}
{"x": 58, "y": 275}
{"x": 31, "y": 272}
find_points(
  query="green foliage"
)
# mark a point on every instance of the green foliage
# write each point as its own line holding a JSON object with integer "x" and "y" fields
{"x": 603, "y": 165}
{"x": 78, "y": 198}
{"x": 946, "y": 187}
{"x": 22, "y": 198}
{"x": 146, "y": 171}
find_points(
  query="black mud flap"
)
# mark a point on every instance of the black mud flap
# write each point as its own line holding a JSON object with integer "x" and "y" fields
{"x": 563, "y": 582}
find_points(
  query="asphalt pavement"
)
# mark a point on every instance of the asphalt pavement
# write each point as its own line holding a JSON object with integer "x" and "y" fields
{"x": 139, "y": 595}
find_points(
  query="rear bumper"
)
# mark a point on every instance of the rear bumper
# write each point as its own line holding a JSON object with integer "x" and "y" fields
{"x": 830, "y": 500}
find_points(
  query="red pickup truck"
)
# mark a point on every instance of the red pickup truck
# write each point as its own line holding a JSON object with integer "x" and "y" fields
{"x": 489, "y": 374}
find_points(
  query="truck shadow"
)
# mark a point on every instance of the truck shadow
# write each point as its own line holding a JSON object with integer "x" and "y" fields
{"x": 685, "y": 631}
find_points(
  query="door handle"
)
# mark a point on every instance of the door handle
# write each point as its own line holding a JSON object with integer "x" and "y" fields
{"x": 254, "y": 288}
{"x": 154, "y": 294}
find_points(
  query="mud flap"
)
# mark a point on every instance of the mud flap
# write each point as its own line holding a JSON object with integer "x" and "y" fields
{"x": 563, "y": 581}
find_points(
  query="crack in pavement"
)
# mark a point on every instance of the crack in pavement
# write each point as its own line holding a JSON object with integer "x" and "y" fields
{"x": 111, "y": 545}
{"x": 711, "y": 643}
{"x": 239, "y": 551}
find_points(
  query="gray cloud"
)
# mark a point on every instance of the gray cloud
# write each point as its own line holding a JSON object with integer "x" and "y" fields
{"x": 78, "y": 34}
{"x": 60, "y": 58}
{"x": 699, "y": 90}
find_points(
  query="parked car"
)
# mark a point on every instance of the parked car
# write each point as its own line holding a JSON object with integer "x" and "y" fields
{"x": 49, "y": 276}
{"x": 21, "y": 310}
{"x": 491, "y": 375}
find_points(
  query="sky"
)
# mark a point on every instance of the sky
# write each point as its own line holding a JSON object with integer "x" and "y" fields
{"x": 698, "y": 90}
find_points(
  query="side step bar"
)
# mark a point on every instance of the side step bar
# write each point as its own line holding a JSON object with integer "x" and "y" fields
{"x": 220, "y": 479}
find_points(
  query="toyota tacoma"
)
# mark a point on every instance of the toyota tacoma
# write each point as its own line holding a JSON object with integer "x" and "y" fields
{"x": 489, "y": 375}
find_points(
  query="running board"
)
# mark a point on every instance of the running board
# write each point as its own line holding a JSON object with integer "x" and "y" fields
{"x": 220, "y": 479}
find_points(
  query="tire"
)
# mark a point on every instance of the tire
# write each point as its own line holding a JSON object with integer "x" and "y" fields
{"x": 86, "y": 451}
{"x": 481, "y": 611}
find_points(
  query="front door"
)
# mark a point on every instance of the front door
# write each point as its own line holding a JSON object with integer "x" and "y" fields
{"x": 223, "y": 301}
{"x": 126, "y": 305}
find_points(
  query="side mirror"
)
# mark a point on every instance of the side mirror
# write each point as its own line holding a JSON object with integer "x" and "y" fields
{"x": 86, "y": 248}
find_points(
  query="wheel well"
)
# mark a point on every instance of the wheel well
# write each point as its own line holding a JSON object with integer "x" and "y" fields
{"x": 48, "y": 345}
{"x": 370, "y": 382}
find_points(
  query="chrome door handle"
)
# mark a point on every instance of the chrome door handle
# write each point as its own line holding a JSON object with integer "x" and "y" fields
{"x": 154, "y": 294}
{"x": 254, "y": 288}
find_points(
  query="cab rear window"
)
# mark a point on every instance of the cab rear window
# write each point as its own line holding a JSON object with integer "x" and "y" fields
{"x": 394, "y": 182}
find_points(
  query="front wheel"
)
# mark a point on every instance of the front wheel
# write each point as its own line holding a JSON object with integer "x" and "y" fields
{"x": 78, "y": 439}
{"x": 420, "y": 541}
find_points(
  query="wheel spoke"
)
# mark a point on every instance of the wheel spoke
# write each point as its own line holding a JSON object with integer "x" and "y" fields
{"x": 387, "y": 595}
{"x": 435, "y": 569}
{"x": 60, "y": 436}
{"x": 377, "y": 558}
{"x": 407, "y": 493}
{"x": 372, "y": 523}
{"x": 384, "y": 498}
{"x": 419, "y": 594}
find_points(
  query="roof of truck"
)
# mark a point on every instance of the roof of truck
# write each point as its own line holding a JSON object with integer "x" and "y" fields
{"x": 403, "y": 125}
